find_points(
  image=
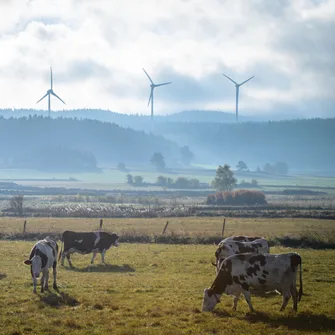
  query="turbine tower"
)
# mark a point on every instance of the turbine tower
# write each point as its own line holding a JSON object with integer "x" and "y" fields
{"x": 50, "y": 92}
{"x": 151, "y": 98}
{"x": 237, "y": 91}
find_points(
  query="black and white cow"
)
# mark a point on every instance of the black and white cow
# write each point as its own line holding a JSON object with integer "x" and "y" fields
{"x": 265, "y": 272}
{"x": 241, "y": 238}
{"x": 43, "y": 256}
{"x": 228, "y": 248}
{"x": 87, "y": 242}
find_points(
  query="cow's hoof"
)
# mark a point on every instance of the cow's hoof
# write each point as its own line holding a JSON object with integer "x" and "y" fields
{"x": 55, "y": 288}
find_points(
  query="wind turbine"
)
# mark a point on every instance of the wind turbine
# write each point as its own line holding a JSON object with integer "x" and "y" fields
{"x": 50, "y": 92}
{"x": 151, "y": 98}
{"x": 237, "y": 91}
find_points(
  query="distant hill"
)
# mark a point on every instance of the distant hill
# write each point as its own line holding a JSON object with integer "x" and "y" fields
{"x": 25, "y": 140}
{"x": 135, "y": 121}
{"x": 305, "y": 145}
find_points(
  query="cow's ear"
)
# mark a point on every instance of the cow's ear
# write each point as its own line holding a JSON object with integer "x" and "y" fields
{"x": 27, "y": 262}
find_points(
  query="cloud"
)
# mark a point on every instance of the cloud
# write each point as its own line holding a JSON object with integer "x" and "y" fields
{"x": 97, "y": 50}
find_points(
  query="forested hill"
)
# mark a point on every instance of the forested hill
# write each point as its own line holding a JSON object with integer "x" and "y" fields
{"x": 134, "y": 121}
{"x": 24, "y": 141}
{"x": 302, "y": 144}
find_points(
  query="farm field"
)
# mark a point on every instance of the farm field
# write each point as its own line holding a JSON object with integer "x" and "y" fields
{"x": 115, "y": 179}
{"x": 155, "y": 289}
{"x": 186, "y": 226}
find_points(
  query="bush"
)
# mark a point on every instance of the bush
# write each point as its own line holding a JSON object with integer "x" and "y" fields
{"x": 240, "y": 197}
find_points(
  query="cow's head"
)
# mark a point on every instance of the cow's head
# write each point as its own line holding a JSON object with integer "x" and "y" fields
{"x": 115, "y": 238}
{"x": 36, "y": 265}
{"x": 210, "y": 300}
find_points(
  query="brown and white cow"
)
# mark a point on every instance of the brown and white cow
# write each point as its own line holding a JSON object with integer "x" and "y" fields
{"x": 43, "y": 256}
{"x": 228, "y": 248}
{"x": 265, "y": 272}
{"x": 87, "y": 242}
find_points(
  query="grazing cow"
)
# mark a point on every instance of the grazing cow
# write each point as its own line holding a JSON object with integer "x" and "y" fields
{"x": 85, "y": 243}
{"x": 229, "y": 248}
{"x": 43, "y": 256}
{"x": 266, "y": 272}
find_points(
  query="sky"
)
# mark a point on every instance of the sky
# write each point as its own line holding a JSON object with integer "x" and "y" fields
{"x": 97, "y": 49}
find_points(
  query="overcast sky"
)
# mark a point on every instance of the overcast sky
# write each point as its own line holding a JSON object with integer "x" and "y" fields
{"x": 97, "y": 50}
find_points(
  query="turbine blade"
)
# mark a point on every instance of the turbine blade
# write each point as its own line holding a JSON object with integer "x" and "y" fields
{"x": 148, "y": 76}
{"x": 54, "y": 94}
{"x": 246, "y": 80}
{"x": 51, "y": 77}
{"x": 230, "y": 79}
{"x": 150, "y": 96}
{"x": 42, "y": 97}
{"x": 170, "y": 82}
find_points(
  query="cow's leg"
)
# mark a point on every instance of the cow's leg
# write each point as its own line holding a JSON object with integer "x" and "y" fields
{"x": 294, "y": 294}
{"x": 236, "y": 297}
{"x": 63, "y": 257}
{"x": 69, "y": 260}
{"x": 34, "y": 283}
{"x": 248, "y": 299}
{"x": 46, "y": 280}
{"x": 103, "y": 252}
{"x": 42, "y": 282}
{"x": 286, "y": 298}
{"x": 94, "y": 254}
{"x": 54, "y": 272}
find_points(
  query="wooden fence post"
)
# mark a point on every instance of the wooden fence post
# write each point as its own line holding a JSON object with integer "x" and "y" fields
{"x": 24, "y": 227}
{"x": 101, "y": 223}
{"x": 167, "y": 223}
{"x": 223, "y": 226}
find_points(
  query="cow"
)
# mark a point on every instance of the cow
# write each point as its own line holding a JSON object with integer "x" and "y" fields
{"x": 43, "y": 256}
{"x": 85, "y": 243}
{"x": 265, "y": 272}
{"x": 241, "y": 238}
{"x": 230, "y": 247}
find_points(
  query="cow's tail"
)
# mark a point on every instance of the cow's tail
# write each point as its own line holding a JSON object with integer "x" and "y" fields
{"x": 300, "y": 288}
{"x": 61, "y": 249}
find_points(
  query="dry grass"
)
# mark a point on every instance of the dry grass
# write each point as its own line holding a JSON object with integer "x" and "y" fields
{"x": 189, "y": 226}
{"x": 154, "y": 289}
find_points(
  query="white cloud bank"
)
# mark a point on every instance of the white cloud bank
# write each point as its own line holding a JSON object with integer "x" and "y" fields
{"x": 97, "y": 50}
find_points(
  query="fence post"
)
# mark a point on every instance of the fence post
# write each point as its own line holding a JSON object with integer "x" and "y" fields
{"x": 24, "y": 227}
{"x": 223, "y": 226}
{"x": 167, "y": 223}
{"x": 101, "y": 223}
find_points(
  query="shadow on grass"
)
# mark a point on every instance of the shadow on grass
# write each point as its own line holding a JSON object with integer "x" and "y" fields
{"x": 2, "y": 276}
{"x": 104, "y": 268}
{"x": 299, "y": 321}
{"x": 58, "y": 300}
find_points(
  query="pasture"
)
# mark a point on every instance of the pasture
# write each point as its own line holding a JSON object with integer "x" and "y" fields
{"x": 192, "y": 227}
{"x": 113, "y": 179}
{"x": 155, "y": 289}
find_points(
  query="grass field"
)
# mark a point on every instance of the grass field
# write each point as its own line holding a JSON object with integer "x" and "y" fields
{"x": 155, "y": 289}
{"x": 115, "y": 179}
{"x": 188, "y": 226}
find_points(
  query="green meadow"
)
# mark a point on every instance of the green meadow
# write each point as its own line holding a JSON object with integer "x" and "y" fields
{"x": 115, "y": 179}
{"x": 155, "y": 289}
